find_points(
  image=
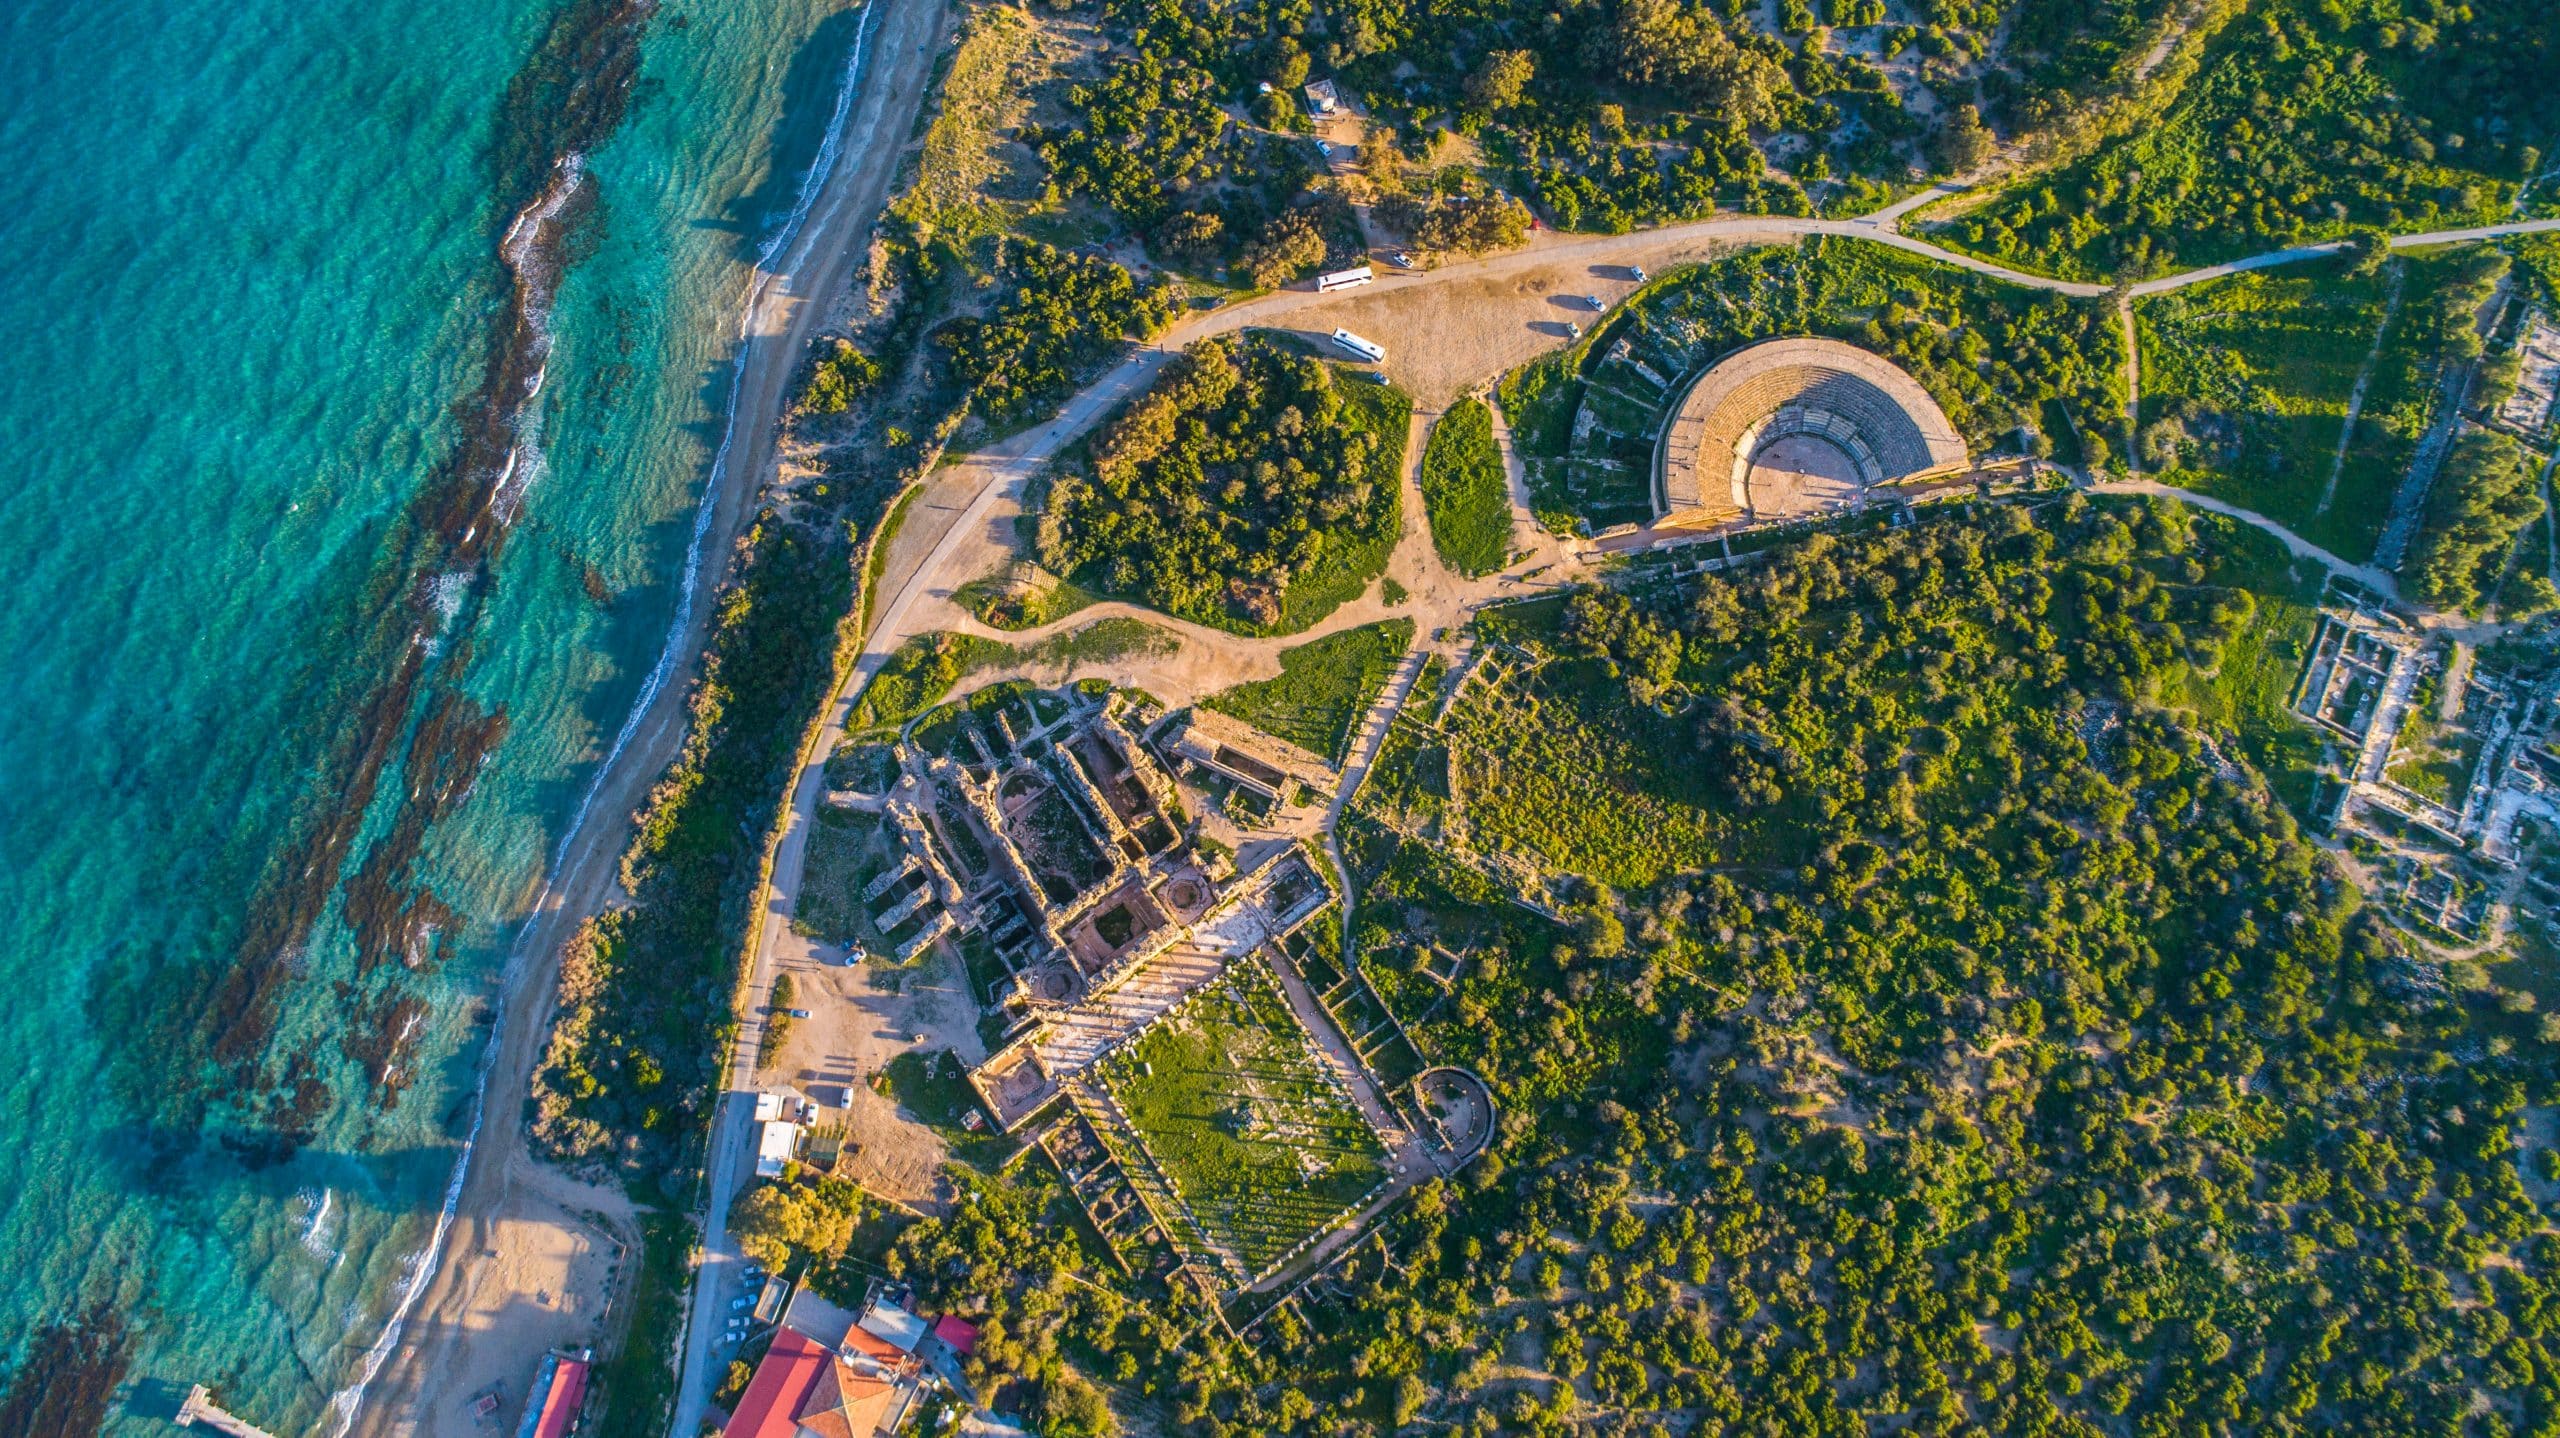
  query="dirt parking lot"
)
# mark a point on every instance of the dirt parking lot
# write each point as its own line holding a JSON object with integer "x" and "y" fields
{"x": 1447, "y": 337}
{"x": 861, "y": 1016}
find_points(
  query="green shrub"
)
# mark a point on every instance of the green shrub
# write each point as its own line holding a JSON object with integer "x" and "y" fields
{"x": 1466, "y": 492}
{"x": 1251, "y": 489}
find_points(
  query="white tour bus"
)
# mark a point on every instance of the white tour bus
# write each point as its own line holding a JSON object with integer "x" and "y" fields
{"x": 1356, "y": 345}
{"x": 1344, "y": 279}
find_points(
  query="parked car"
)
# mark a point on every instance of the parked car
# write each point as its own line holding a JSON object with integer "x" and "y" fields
{"x": 1401, "y": 260}
{"x": 1574, "y": 329}
{"x": 1594, "y": 302}
{"x": 797, "y": 1013}
{"x": 736, "y": 1304}
{"x": 1636, "y": 273}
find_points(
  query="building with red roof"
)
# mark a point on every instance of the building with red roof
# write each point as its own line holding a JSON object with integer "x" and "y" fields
{"x": 847, "y": 1404}
{"x": 559, "y": 1390}
{"x": 824, "y": 1377}
{"x": 956, "y": 1333}
{"x": 789, "y": 1374}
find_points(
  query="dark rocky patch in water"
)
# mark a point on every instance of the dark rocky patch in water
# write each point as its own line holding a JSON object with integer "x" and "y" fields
{"x": 429, "y": 576}
{"x": 66, "y": 1379}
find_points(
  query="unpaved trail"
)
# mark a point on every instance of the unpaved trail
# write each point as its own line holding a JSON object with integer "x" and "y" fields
{"x": 2381, "y": 581}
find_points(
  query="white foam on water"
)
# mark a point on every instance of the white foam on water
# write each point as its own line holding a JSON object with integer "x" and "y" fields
{"x": 447, "y": 592}
{"x": 315, "y": 1233}
{"x": 519, "y": 250}
{"x": 688, "y": 594}
{"x": 517, "y": 246}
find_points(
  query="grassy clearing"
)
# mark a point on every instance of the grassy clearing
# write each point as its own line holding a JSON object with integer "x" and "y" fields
{"x": 926, "y": 667}
{"x": 1104, "y": 641}
{"x": 864, "y": 767}
{"x": 1026, "y": 599}
{"x": 2247, "y": 691}
{"x": 1532, "y": 750}
{"x": 960, "y": 168}
{"x": 1323, "y": 689}
{"x": 935, "y": 1088}
{"x": 847, "y": 851}
{"x": 1245, "y": 1120}
{"x": 1465, "y": 492}
{"x": 918, "y": 673}
{"x": 2247, "y": 380}
{"x": 2246, "y": 384}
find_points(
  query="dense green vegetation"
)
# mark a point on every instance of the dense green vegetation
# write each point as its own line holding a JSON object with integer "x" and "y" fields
{"x": 1465, "y": 491}
{"x": 2487, "y": 493}
{"x": 627, "y": 1079}
{"x": 1994, "y": 356}
{"x": 2308, "y": 117}
{"x": 1985, "y": 1053}
{"x": 1253, "y": 488}
{"x": 1324, "y": 687}
{"x": 1061, "y": 316}
{"x": 2246, "y": 383}
{"x": 782, "y": 1221}
{"x": 1982, "y": 1051}
{"x": 838, "y": 375}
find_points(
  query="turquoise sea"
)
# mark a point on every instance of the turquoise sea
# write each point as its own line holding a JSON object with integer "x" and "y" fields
{"x": 366, "y": 363}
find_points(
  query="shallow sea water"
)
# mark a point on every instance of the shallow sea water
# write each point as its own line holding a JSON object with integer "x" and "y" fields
{"x": 254, "y": 292}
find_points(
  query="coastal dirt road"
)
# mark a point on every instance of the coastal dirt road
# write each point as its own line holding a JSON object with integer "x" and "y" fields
{"x": 471, "y": 1324}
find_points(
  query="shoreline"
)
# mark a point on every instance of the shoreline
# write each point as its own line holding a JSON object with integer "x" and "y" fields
{"x": 423, "y": 1384}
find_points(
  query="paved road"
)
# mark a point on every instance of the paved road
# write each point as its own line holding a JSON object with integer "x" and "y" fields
{"x": 1005, "y": 470}
{"x": 890, "y": 70}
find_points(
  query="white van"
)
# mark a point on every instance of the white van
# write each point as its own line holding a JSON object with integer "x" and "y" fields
{"x": 1375, "y": 354}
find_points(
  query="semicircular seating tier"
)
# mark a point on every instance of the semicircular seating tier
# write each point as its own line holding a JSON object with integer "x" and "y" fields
{"x": 1860, "y": 403}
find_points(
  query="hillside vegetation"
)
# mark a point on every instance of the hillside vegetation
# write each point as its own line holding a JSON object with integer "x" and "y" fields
{"x": 2308, "y": 117}
{"x": 1904, "y": 1017}
{"x": 1254, "y": 488}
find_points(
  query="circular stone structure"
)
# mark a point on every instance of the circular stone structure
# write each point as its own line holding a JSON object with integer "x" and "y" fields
{"x": 1794, "y": 426}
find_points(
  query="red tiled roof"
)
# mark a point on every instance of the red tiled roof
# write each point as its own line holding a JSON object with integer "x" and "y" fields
{"x": 846, "y": 1404}
{"x": 871, "y": 1345}
{"x": 958, "y": 1332}
{"x": 560, "y": 1405}
{"x": 770, "y": 1408}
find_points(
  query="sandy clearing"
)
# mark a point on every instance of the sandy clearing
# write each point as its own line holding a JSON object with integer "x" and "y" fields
{"x": 469, "y": 1296}
{"x": 863, "y": 1016}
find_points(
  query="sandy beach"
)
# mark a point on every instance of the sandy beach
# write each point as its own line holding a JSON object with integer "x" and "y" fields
{"x": 532, "y": 1257}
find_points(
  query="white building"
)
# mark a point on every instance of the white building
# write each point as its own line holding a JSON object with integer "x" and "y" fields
{"x": 777, "y": 1143}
